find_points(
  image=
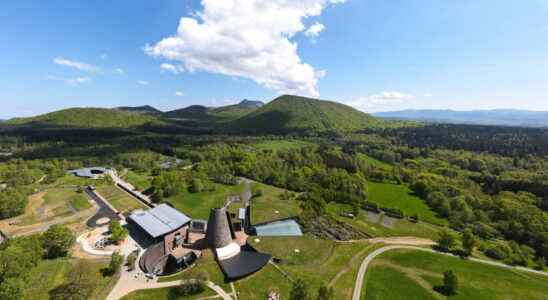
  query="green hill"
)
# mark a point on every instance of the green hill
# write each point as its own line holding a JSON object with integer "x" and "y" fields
{"x": 214, "y": 114}
{"x": 145, "y": 109}
{"x": 87, "y": 118}
{"x": 287, "y": 114}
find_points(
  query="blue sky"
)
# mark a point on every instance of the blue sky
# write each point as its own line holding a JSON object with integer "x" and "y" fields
{"x": 374, "y": 55}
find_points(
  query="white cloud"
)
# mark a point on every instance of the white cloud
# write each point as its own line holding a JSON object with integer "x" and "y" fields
{"x": 142, "y": 82}
{"x": 74, "y": 81}
{"x": 76, "y": 65}
{"x": 314, "y": 30}
{"x": 172, "y": 68}
{"x": 379, "y": 101}
{"x": 119, "y": 71}
{"x": 428, "y": 95}
{"x": 249, "y": 39}
{"x": 179, "y": 93}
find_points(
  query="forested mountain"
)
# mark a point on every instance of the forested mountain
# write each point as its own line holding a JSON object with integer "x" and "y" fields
{"x": 503, "y": 117}
{"x": 295, "y": 114}
{"x": 145, "y": 109}
{"x": 87, "y": 118}
{"x": 202, "y": 113}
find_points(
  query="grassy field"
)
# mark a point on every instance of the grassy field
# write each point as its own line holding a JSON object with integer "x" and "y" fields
{"x": 140, "y": 181}
{"x": 264, "y": 208}
{"x": 317, "y": 262}
{"x": 401, "y": 227}
{"x": 60, "y": 196}
{"x": 118, "y": 198}
{"x": 55, "y": 203}
{"x": 49, "y": 274}
{"x": 412, "y": 274}
{"x": 198, "y": 205}
{"x": 280, "y": 145}
{"x": 400, "y": 196}
{"x": 375, "y": 162}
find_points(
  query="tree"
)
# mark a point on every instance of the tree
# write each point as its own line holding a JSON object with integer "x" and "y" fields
{"x": 11, "y": 289}
{"x": 450, "y": 283}
{"x": 446, "y": 240}
{"x": 117, "y": 232}
{"x": 116, "y": 260}
{"x": 196, "y": 185}
{"x": 325, "y": 293}
{"x": 299, "y": 291}
{"x": 57, "y": 241}
{"x": 83, "y": 280}
{"x": 468, "y": 241}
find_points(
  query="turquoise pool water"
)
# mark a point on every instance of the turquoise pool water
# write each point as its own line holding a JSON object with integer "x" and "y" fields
{"x": 280, "y": 228}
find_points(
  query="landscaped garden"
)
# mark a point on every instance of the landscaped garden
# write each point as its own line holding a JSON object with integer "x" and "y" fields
{"x": 419, "y": 275}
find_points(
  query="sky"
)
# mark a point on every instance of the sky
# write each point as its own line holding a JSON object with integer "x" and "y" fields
{"x": 374, "y": 55}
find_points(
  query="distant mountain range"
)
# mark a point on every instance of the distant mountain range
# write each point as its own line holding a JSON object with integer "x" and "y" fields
{"x": 283, "y": 115}
{"x": 501, "y": 117}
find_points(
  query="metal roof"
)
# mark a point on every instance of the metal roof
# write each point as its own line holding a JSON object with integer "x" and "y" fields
{"x": 89, "y": 172}
{"x": 160, "y": 220}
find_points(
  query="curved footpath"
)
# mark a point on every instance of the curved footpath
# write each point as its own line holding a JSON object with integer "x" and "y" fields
{"x": 363, "y": 267}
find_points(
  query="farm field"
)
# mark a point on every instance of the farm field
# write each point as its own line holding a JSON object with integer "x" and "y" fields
{"x": 50, "y": 274}
{"x": 118, "y": 198}
{"x": 417, "y": 273}
{"x": 400, "y": 196}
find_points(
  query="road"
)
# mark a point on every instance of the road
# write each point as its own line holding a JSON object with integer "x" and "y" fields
{"x": 365, "y": 263}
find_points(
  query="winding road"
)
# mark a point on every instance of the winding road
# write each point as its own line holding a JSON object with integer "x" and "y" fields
{"x": 365, "y": 263}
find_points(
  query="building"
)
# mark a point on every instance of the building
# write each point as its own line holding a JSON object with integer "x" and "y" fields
{"x": 235, "y": 257}
{"x": 165, "y": 228}
{"x": 91, "y": 173}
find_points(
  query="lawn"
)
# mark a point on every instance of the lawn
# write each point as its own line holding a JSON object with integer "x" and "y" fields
{"x": 281, "y": 145}
{"x": 400, "y": 196}
{"x": 56, "y": 202}
{"x": 401, "y": 227}
{"x": 164, "y": 293}
{"x": 270, "y": 207}
{"x": 198, "y": 205}
{"x": 60, "y": 196}
{"x": 412, "y": 274}
{"x": 141, "y": 182}
{"x": 317, "y": 262}
{"x": 206, "y": 263}
{"x": 49, "y": 274}
{"x": 118, "y": 198}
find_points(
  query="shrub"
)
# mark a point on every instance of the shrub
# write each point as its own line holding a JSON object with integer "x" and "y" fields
{"x": 190, "y": 287}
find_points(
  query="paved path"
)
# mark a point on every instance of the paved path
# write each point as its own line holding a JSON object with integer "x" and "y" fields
{"x": 365, "y": 263}
{"x": 131, "y": 281}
